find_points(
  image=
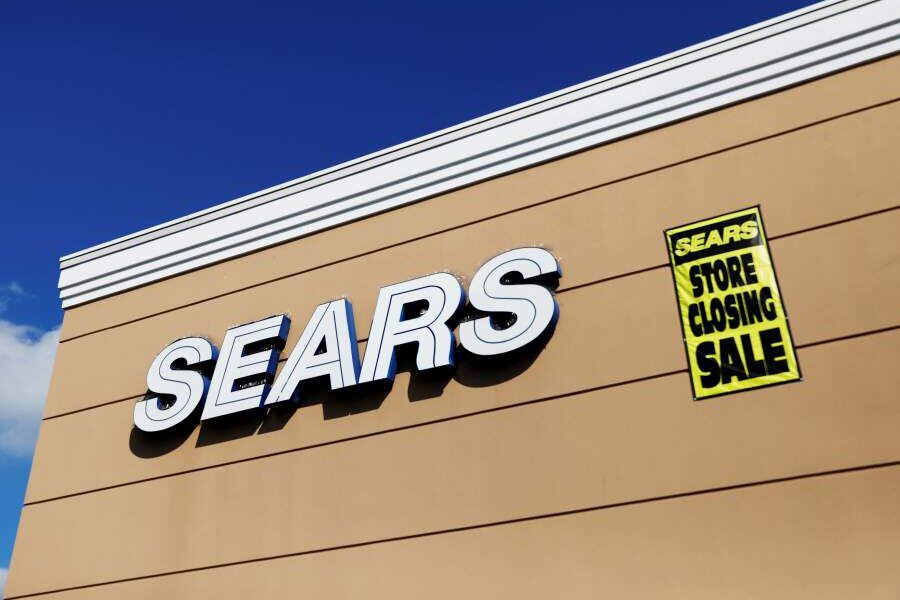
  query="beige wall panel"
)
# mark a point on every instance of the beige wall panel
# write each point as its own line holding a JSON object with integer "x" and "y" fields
{"x": 640, "y": 441}
{"x": 837, "y": 94}
{"x": 811, "y": 177}
{"x": 590, "y": 347}
{"x": 822, "y": 538}
{"x": 610, "y": 332}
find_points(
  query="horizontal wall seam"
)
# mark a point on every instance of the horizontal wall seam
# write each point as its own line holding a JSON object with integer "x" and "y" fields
{"x": 427, "y": 423}
{"x": 481, "y": 220}
{"x": 465, "y": 528}
{"x": 560, "y": 291}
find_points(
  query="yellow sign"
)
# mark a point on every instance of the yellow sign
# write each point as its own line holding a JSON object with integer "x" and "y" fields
{"x": 735, "y": 327}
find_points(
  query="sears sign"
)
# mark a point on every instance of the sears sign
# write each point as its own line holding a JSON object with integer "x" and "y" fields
{"x": 509, "y": 308}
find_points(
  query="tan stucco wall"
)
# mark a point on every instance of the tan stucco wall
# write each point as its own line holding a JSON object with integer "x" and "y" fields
{"x": 457, "y": 487}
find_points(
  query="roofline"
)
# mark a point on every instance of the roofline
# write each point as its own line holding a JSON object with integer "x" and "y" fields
{"x": 777, "y": 53}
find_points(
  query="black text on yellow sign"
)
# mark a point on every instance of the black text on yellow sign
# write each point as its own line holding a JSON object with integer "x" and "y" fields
{"x": 735, "y": 328}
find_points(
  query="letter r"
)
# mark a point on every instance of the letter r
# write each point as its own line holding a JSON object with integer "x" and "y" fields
{"x": 392, "y": 326}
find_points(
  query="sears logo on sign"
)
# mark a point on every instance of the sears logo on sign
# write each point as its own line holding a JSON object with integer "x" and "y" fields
{"x": 511, "y": 309}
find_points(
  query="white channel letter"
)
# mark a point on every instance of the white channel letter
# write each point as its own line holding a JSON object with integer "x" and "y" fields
{"x": 533, "y": 305}
{"x": 332, "y": 325}
{"x": 187, "y": 386}
{"x": 234, "y": 365}
{"x": 391, "y": 327}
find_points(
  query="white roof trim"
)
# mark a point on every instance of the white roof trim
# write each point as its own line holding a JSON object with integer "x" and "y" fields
{"x": 784, "y": 51}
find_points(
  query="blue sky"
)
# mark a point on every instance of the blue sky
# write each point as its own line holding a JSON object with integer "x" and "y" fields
{"x": 115, "y": 116}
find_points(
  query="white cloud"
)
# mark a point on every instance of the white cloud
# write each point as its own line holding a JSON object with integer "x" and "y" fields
{"x": 3, "y": 574}
{"x": 13, "y": 288}
{"x": 9, "y": 292}
{"x": 26, "y": 359}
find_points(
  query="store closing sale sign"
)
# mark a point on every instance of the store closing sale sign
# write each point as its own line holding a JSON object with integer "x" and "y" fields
{"x": 735, "y": 327}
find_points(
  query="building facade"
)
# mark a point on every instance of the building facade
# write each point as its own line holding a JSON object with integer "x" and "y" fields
{"x": 579, "y": 466}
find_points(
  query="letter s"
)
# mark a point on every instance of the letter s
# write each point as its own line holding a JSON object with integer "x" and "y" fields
{"x": 534, "y": 306}
{"x": 749, "y": 229}
{"x": 682, "y": 246}
{"x": 188, "y": 387}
